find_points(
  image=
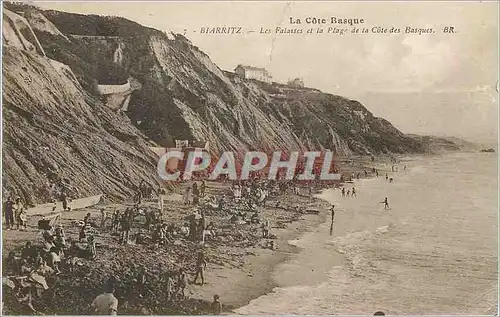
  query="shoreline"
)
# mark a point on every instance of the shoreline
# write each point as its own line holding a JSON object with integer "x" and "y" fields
{"x": 237, "y": 273}
{"x": 277, "y": 301}
{"x": 309, "y": 226}
{"x": 275, "y": 261}
{"x": 258, "y": 279}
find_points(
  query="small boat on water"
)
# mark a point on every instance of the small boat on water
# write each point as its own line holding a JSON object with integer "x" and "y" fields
{"x": 490, "y": 150}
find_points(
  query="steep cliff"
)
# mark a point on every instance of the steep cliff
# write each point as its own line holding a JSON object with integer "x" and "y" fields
{"x": 179, "y": 94}
{"x": 185, "y": 95}
{"x": 53, "y": 129}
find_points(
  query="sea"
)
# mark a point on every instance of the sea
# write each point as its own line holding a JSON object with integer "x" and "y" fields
{"x": 434, "y": 251}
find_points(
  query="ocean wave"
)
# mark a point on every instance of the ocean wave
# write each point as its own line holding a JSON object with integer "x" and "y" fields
{"x": 399, "y": 261}
{"x": 294, "y": 242}
{"x": 358, "y": 236}
{"x": 383, "y": 229}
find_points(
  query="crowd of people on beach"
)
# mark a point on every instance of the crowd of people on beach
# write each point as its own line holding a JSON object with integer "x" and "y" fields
{"x": 34, "y": 264}
{"x": 139, "y": 224}
{"x": 352, "y": 192}
{"x": 349, "y": 193}
{"x": 30, "y": 267}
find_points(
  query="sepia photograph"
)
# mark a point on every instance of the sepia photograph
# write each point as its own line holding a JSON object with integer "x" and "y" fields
{"x": 250, "y": 158}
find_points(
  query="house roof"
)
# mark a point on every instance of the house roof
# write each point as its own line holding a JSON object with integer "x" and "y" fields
{"x": 200, "y": 144}
{"x": 245, "y": 67}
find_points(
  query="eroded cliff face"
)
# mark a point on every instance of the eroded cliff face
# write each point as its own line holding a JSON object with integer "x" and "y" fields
{"x": 186, "y": 96}
{"x": 53, "y": 128}
{"x": 16, "y": 31}
{"x": 179, "y": 93}
{"x": 233, "y": 113}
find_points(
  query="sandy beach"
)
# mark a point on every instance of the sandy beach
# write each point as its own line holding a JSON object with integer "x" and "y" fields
{"x": 278, "y": 158}
{"x": 237, "y": 272}
{"x": 239, "y": 269}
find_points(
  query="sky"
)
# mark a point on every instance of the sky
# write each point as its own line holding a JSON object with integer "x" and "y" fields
{"x": 442, "y": 84}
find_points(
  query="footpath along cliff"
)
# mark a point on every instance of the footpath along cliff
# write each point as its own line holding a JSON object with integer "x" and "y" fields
{"x": 61, "y": 111}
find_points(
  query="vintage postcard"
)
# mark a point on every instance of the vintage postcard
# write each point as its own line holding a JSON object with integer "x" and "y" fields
{"x": 250, "y": 157}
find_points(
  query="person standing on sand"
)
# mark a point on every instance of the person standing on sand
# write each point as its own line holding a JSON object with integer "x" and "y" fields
{"x": 106, "y": 303}
{"x": 169, "y": 288}
{"x": 187, "y": 196}
{"x": 203, "y": 187}
{"x": 222, "y": 200}
{"x": 265, "y": 229}
{"x": 202, "y": 224}
{"x": 103, "y": 217}
{"x": 125, "y": 226}
{"x": 196, "y": 194}
{"x": 182, "y": 281}
{"x": 386, "y": 204}
{"x": 353, "y": 192}
{"x": 91, "y": 250}
{"x": 138, "y": 197}
{"x": 86, "y": 219}
{"x": 386, "y": 177}
{"x": 23, "y": 219}
{"x": 115, "y": 224}
{"x": 216, "y": 306}
{"x": 18, "y": 208}
{"x": 348, "y": 193}
{"x": 161, "y": 197}
{"x": 192, "y": 227}
{"x": 54, "y": 260}
{"x": 201, "y": 264}
{"x": 60, "y": 239}
{"x": 141, "y": 280}
{"x": 8, "y": 209}
{"x": 64, "y": 199}
{"x": 343, "y": 192}
{"x": 333, "y": 216}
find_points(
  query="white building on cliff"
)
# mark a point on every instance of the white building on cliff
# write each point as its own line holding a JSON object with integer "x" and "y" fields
{"x": 250, "y": 72}
{"x": 296, "y": 82}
